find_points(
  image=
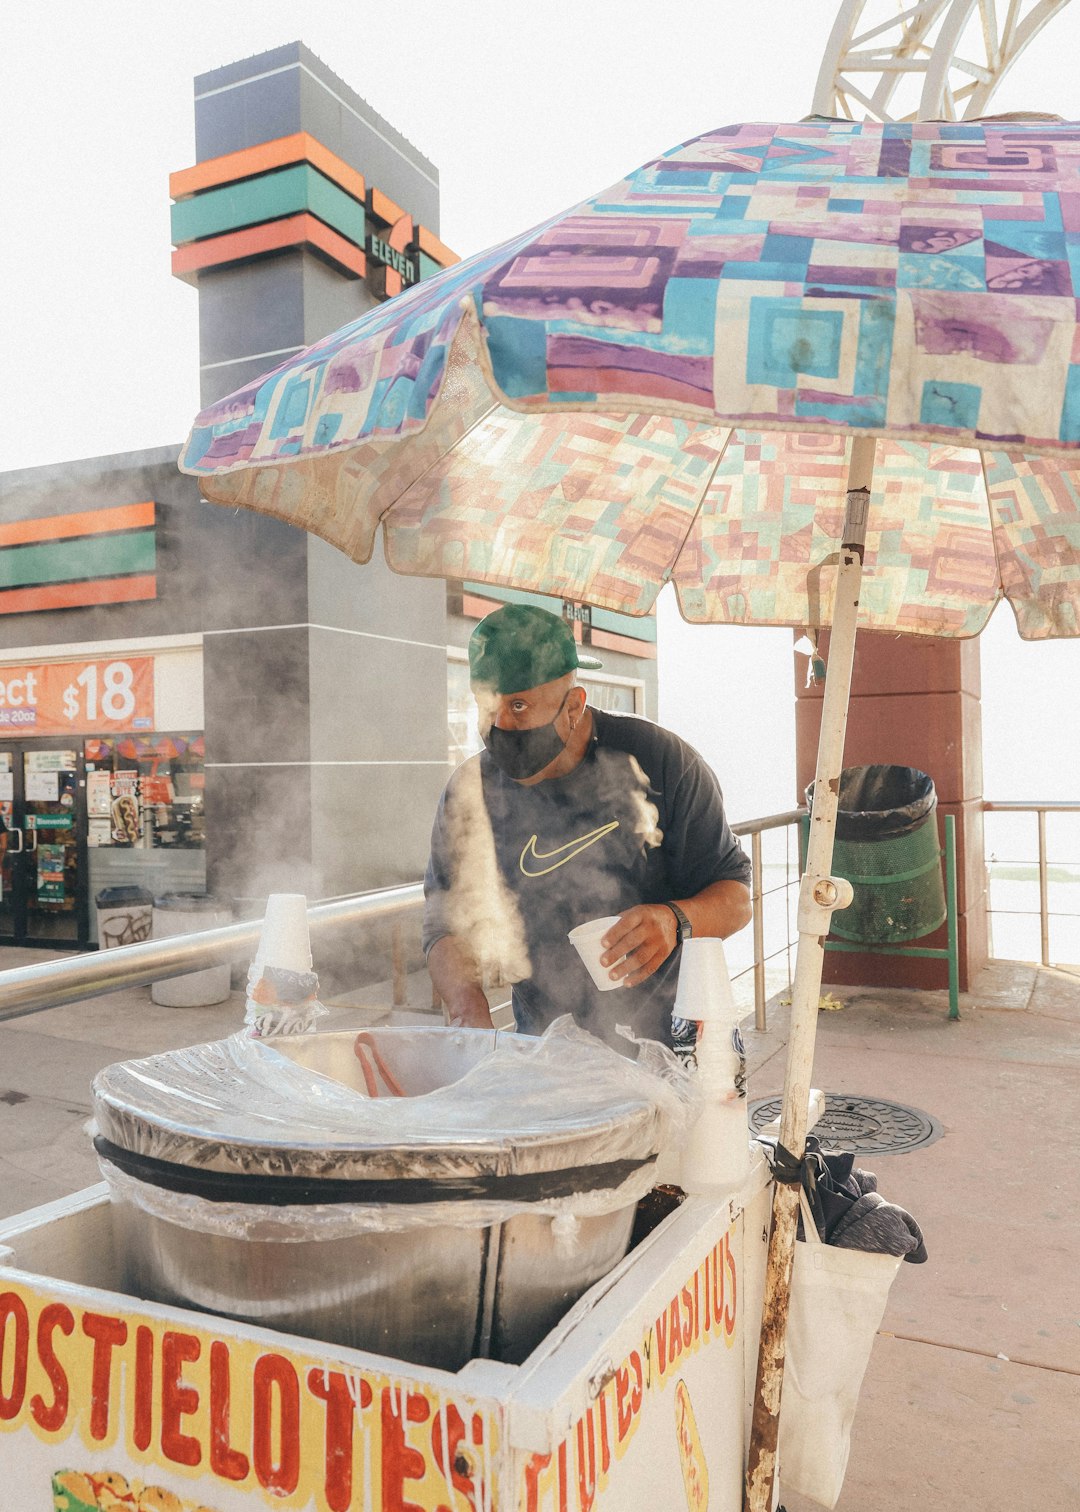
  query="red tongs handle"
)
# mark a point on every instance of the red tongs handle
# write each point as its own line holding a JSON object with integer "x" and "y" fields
{"x": 366, "y": 1051}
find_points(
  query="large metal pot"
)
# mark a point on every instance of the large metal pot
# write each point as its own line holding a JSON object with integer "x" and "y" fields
{"x": 262, "y": 1181}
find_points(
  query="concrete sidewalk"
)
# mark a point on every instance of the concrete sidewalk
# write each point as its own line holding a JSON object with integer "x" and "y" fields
{"x": 49, "y": 1059}
{"x": 972, "y": 1397}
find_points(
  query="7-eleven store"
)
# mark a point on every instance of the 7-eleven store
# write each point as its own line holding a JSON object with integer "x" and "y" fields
{"x": 192, "y": 700}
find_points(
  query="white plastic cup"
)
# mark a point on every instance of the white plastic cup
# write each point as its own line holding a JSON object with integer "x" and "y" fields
{"x": 585, "y": 938}
{"x": 704, "y": 987}
{"x": 285, "y": 942}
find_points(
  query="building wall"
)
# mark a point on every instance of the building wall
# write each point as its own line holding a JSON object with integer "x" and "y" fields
{"x": 289, "y": 89}
{"x": 328, "y": 781}
{"x": 915, "y": 702}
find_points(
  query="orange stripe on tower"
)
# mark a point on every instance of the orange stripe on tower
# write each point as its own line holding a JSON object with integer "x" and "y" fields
{"x": 432, "y": 247}
{"x": 78, "y": 595}
{"x": 385, "y": 208}
{"x": 250, "y": 161}
{"x": 273, "y": 236}
{"x": 63, "y": 527}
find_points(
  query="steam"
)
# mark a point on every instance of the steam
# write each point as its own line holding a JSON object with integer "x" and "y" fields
{"x": 481, "y": 909}
{"x": 620, "y": 789}
{"x": 646, "y": 814}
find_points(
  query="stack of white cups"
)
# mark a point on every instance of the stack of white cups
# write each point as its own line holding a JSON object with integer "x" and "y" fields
{"x": 716, "y": 1155}
{"x": 285, "y": 942}
{"x": 284, "y": 945}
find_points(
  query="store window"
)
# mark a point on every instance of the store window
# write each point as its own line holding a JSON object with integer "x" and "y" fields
{"x": 145, "y": 791}
{"x": 621, "y": 695}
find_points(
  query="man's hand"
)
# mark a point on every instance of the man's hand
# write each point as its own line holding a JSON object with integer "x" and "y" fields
{"x": 457, "y": 981}
{"x": 470, "y": 1011}
{"x": 645, "y": 936}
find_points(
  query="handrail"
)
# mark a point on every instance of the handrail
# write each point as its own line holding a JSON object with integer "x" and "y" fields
{"x": 770, "y": 821}
{"x": 26, "y": 989}
{"x": 1040, "y": 810}
{"x": 1061, "y": 806}
{"x": 755, "y": 828}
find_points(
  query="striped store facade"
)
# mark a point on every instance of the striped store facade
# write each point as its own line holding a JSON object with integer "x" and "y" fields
{"x": 197, "y": 700}
{"x": 104, "y": 556}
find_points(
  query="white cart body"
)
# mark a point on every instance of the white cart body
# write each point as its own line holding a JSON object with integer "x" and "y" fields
{"x": 639, "y": 1399}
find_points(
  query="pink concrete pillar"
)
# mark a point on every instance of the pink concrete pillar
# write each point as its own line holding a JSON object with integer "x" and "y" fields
{"x": 914, "y": 702}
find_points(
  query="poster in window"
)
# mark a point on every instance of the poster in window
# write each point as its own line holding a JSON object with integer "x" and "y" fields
{"x": 42, "y": 787}
{"x": 99, "y": 832}
{"x": 50, "y": 874}
{"x": 98, "y": 795}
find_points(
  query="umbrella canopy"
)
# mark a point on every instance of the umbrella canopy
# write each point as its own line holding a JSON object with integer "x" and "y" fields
{"x": 562, "y": 413}
{"x": 758, "y": 360}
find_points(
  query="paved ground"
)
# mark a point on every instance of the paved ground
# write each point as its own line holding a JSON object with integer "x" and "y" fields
{"x": 972, "y": 1398}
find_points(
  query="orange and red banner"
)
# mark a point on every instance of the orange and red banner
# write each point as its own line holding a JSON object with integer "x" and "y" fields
{"x": 53, "y": 698}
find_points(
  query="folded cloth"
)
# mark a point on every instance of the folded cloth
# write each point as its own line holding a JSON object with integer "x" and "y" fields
{"x": 880, "y": 1227}
{"x": 850, "y": 1213}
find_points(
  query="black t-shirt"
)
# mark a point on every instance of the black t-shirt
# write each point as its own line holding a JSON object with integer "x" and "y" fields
{"x": 513, "y": 869}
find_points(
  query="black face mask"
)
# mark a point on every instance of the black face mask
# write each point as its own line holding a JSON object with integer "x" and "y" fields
{"x": 523, "y": 753}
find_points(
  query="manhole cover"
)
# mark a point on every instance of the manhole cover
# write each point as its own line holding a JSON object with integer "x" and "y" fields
{"x": 863, "y": 1125}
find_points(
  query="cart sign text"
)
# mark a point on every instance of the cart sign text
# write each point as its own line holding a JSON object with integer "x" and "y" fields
{"x": 289, "y": 1430}
{"x": 704, "y": 1310}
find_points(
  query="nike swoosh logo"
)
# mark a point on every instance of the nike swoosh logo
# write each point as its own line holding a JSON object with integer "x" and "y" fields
{"x": 564, "y": 853}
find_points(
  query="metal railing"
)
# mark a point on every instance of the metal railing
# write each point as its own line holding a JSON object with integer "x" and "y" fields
{"x": 1045, "y": 913}
{"x": 29, "y": 989}
{"x": 755, "y": 828}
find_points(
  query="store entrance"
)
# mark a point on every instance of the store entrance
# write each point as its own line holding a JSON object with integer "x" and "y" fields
{"x": 43, "y": 873}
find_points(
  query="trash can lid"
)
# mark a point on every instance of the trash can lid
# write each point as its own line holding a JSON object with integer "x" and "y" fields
{"x": 881, "y": 802}
{"x": 181, "y": 902}
{"x": 117, "y": 897}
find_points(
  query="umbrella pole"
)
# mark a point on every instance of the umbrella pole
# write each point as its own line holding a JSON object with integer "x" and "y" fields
{"x": 819, "y": 894}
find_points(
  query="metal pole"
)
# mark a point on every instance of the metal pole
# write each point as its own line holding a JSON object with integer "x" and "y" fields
{"x": 759, "y": 933}
{"x": 29, "y": 988}
{"x": 397, "y": 953}
{"x": 819, "y": 894}
{"x": 954, "y": 923}
{"x": 1044, "y": 893}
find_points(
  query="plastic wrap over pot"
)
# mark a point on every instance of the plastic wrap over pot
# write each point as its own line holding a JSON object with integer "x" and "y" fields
{"x": 281, "y": 1140}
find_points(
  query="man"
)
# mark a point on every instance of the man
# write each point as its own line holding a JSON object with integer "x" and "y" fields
{"x": 569, "y": 814}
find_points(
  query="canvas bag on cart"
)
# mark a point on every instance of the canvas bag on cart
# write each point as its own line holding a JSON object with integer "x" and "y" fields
{"x": 838, "y": 1298}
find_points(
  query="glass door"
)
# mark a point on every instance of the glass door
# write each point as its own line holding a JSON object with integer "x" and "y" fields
{"x": 11, "y": 844}
{"x": 43, "y": 890}
{"x": 55, "y": 877}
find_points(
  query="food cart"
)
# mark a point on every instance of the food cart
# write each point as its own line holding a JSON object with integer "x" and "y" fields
{"x": 638, "y": 1398}
{"x": 638, "y": 1395}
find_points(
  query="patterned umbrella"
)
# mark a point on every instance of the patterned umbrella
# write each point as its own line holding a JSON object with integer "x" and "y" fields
{"x": 769, "y": 358}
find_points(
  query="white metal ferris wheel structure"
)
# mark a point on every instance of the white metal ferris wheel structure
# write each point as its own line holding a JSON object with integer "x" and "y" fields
{"x": 930, "y": 60}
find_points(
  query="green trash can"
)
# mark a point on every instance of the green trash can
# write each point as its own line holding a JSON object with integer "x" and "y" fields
{"x": 887, "y": 848}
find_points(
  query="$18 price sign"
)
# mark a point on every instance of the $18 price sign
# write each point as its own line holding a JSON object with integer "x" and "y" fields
{"x": 110, "y": 694}
{"x": 109, "y": 689}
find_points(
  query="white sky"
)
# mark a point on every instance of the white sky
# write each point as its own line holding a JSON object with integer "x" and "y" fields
{"x": 526, "y": 107}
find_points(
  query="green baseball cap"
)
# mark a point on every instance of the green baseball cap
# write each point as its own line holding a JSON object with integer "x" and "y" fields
{"x": 519, "y": 646}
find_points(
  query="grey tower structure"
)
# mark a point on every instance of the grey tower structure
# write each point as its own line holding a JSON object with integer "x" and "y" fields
{"x": 325, "y": 706}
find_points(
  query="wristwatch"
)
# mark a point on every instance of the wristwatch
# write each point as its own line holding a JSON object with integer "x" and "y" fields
{"x": 684, "y": 930}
